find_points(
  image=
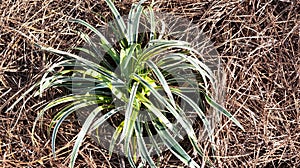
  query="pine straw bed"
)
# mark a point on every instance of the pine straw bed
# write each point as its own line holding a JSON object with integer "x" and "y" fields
{"x": 257, "y": 40}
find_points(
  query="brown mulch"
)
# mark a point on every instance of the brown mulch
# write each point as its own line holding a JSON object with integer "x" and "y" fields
{"x": 258, "y": 42}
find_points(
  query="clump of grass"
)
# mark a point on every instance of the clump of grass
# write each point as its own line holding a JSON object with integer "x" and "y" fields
{"x": 131, "y": 71}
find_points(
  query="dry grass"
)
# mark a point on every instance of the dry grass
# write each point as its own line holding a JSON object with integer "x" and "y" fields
{"x": 259, "y": 44}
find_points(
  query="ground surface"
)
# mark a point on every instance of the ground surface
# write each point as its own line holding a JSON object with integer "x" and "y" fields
{"x": 257, "y": 40}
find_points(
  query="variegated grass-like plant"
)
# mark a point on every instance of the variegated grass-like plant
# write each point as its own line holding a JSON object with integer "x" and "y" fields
{"x": 133, "y": 70}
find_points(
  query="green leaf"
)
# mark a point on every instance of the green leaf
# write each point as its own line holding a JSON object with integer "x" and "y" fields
{"x": 119, "y": 20}
{"x": 141, "y": 144}
{"x": 103, "y": 41}
{"x": 223, "y": 111}
{"x": 197, "y": 110}
{"x": 152, "y": 24}
{"x": 173, "y": 145}
{"x": 160, "y": 46}
{"x": 104, "y": 117}
{"x": 151, "y": 136}
{"x": 63, "y": 116}
{"x": 115, "y": 137}
{"x": 88, "y": 63}
{"x": 131, "y": 114}
{"x": 134, "y": 22}
{"x": 128, "y": 61}
{"x": 82, "y": 134}
{"x": 57, "y": 116}
{"x": 50, "y": 69}
{"x": 158, "y": 113}
{"x": 174, "y": 111}
{"x": 195, "y": 65}
{"x": 162, "y": 80}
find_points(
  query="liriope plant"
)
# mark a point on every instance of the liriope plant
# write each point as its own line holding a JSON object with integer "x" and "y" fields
{"x": 131, "y": 71}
